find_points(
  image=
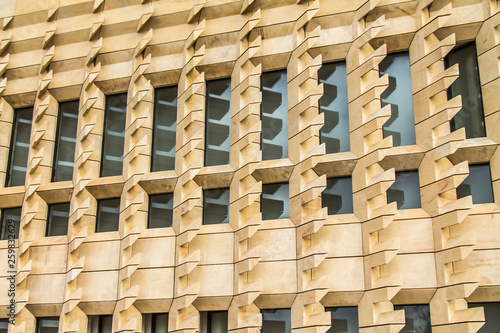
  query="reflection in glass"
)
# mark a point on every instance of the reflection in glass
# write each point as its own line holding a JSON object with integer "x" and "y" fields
{"x": 13, "y": 214}
{"x": 114, "y": 133}
{"x": 276, "y": 321}
{"x": 401, "y": 124}
{"x": 105, "y": 324}
{"x": 216, "y": 206}
{"x": 477, "y": 184}
{"x": 160, "y": 323}
{"x": 335, "y": 132}
{"x": 417, "y": 318}
{"x": 491, "y": 316}
{"x": 275, "y": 201}
{"x": 57, "y": 221}
{"x": 337, "y": 196}
{"x": 218, "y": 121}
{"x": 344, "y": 319}
{"x": 164, "y": 124}
{"x": 19, "y": 149}
{"x": 65, "y": 141}
{"x": 405, "y": 190}
{"x": 108, "y": 215}
{"x": 217, "y": 322}
{"x": 4, "y": 325}
{"x": 161, "y": 209}
{"x": 467, "y": 84}
{"x": 47, "y": 325}
{"x": 274, "y": 115}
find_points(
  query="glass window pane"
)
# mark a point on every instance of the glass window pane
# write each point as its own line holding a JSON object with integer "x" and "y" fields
{"x": 417, "y": 318}
{"x": 467, "y": 84}
{"x": 48, "y": 325}
{"x": 114, "y": 133}
{"x": 216, "y": 206}
{"x": 160, "y": 323}
{"x": 11, "y": 222}
{"x": 401, "y": 125}
{"x": 337, "y": 196}
{"x": 108, "y": 215}
{"x": 57, "y": 221}
{"x": 477, "y": 184}
{"x": 491, "y": 317}
{"x": 105, "y": 324}
{"x": 344, "y": 320}
{"x": 65, "y": 141}
{"x": 274, "y": 114}
{"x": 405, "y": 190}
{"x": 165, "y": 122}
{"x": 335, "y": 132}
{"x": 218, "y": 114}
{"x": 20, "y": 143}
{"x": 217, "y": 322}
{"x": 276, "y": 321}
{"x": 4, "y": 325}
{"x": 161, "y": 209}
{"x": 275, "y": 201}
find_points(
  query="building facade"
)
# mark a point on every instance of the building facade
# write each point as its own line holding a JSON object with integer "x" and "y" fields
{"x": 246, "y": 166}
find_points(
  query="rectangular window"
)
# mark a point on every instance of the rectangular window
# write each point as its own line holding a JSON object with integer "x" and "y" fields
{"x": 217, "y": 124}
{"x": 4, "y": 325}
{"x": 344, "y": 319}
{"x": 276, "y": 321}
{"x": 471, "y": 115}
{"x": 405, "y": 190}
{"x": 19, "y": 147}
{"x": 417, "y": 318}
{"x": 57, "y": 220}
{"x": 114, "y": 133}
{"x": 64, "y": 155}
{"x": 161, "y": 207}
{"x": 101, "y": 324}
{"x": 274, "y": 115}
{"x": 164, "y": 125}
{"x": 477, "y": 184}
{"x": 156, "y": 323}
{"x": 275, "y": 201}
{"x": 216, "y": 206}
{"x": 7, "y": 227}
{"x": 401, "y": 124}
{"x": 334, "y": 104}
{"x": 337, "y": 196}
{"x": 47, "y": 325}
{"x": 491, "y": 316}
{"x": 108, "y": 215}
{"x": 214, "y": 322}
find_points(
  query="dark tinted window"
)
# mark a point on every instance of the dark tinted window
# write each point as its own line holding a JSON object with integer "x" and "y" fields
{"x": 218, "y": 120}
{"x": 491, "y": 317}
{"x": 344, "y": 319}
{"x": 477, "y": 184}
{"x": 161, "y": 208}
{"x": 108, "y": 215}
{"x": 417, "y": 318}
{"x": 276, "y": 321}
{"x": 405, "y": 190}
{"x": 337, "y": 196}
{"x": 65, "y": 141}
{"x": 165, "y": 122}
{"x": 47, "y": 325}
{"x": 19, "y": 148}
{"x": 11, "y": 221}
{"x": 114, "y": 133}
{"x": 57, "y": 221}
{"x": 275, "y": 201}
{"x": 216, "y": 206}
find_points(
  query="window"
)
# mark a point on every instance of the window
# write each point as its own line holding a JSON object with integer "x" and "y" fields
{"x": 401, "y": 124}
{"x": 47, "y": 325}
{"x": 468, "y": 85}
{"x": 477, "y": 184}
{"x": 417, "y": 318}
{"x": 19, "y": 147}
{"x": 156, "y": 323}
{"x": 276, "y": 321}
{"x": 114, "y": 133}
{"x": 64, "y": 155}
{"x": 213, "y": 322}
{"x": 274, "y": 115}
{"x": 57, "y": 221}
{"x": 335, "y": 133}
{"x": 7, "y": 227}
{"x": 101, "y": 324}
{"x": 4, "y": 325}
{"x": 218, "y": 120}
{"x": 164, "y": 124}
{"x": 491, "y": 316}
{"x": 337, "y": 196}
{"x": 344, "y": 320}
{"x": 274, "y": 201}
{"x": 216, "y": 206}
{"x": 108, "y": 215}
{"x": 161, "y": 209}
{"x": 405, "y": 190}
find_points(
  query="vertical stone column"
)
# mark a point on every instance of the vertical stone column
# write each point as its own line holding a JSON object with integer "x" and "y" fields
{"x": 439, "y": 178}
{"x": 370, "y": 180}
{"x": 245, "y": 217}
{"x": 306, "y": 212}
{"x": 188, "y": 210}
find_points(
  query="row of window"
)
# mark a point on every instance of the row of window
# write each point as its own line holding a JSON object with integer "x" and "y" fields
{"x": 343, "y": 319}
{"x": 274, "y": 116}
{"x": 337, "y": 197}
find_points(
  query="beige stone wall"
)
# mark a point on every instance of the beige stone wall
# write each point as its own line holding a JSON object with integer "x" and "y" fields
{"x": 443, "y": 254}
